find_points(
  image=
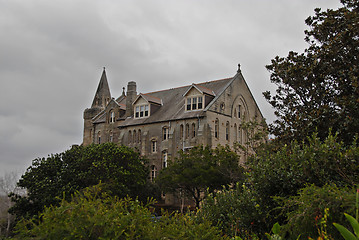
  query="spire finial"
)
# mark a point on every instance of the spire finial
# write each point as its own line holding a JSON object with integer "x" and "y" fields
{"x": 104, "y": 68}
{"x": 239, "y": 68}
{"x": 123, "y": 91}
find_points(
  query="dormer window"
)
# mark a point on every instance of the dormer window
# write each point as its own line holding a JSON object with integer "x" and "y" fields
{"x": 194, "y": 103}
{"x": 142, "y": 111}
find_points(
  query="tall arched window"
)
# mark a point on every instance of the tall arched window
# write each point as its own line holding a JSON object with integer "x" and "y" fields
{"x": 181, "y": 131}
{"x": 193, "y": 130}
{"x": 129, "y": 136}
{"x": 134, "y": 136}
{"x": 239, "y": 134}
{"x": 139, "y": 136}
{"x": 164, "y": 159}
{"x": 227, "y": 131}
{"x": 112, "y": 116}
{"x": 111, "y": 137}
{"x": 216, "y": 128}
{"x": 235, "y": 132}
{"x": 99, "y": 137}
{"x": 187, "y": 130}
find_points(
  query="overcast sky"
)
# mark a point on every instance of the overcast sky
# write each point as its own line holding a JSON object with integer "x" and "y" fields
{"x": 52, "y": 54}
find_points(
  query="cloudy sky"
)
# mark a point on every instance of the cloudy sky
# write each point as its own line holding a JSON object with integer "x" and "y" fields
{"x": 52, "y": 54}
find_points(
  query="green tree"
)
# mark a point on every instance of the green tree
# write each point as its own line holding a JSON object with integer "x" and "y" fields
{"x": 95, "y": 215}
{"x": 199, "y": 170}
{"x": 122, "y": 171}
{"x": 282, "y": 173}
{"x": 319, "y": 89}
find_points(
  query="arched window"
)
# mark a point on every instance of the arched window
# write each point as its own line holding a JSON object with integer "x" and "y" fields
{"x": 129, "y": 136}
{"x": 227, "y": 131}
{"x": 216, "y": 128}
{"x": 134, "y": 136}
{"x": 193, "y": 130}
{"x": 164, "y": 159}
{"x": 99, "y": 137}
{"x": 111, "y": 137}
{"x": 239, "y": 111}
{"x": 181, "y": 131}
{"x": 239, "y": 134}
{"x": 235, "y": 132}
{"x": 139, "y": 136}
{"x": 112, "y": 117}
{"x": 187, "y": 130}
{"x": 153, "y": 172}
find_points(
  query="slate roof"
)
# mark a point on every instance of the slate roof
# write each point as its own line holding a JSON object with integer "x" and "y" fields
{"x": 173, "y": 103}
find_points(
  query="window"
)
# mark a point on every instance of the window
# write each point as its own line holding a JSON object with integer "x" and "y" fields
{"x": 134, "y": 136}
{"x": 235, "y": 132}
{"x": 227, "y": 131}
{"x": 239, "y": 111}
{"x": 153, "y": 172}
{"x": 216, "y": 128}
{"x": 165, "y": 159}
{"x": 194, "y": 103}
{"x": 99, "y": 137}
{"x": 193, "y": 130}
{"x": 154, "y": 146}
{"x": 142, "y": 111}
{"x": 139, "y": 136}
{"x": 112, "y": 117}
{"x": 181, "y": 131}
{"x": 129, "y": 136}
{"x": 187, "y": 130}
{"x": 111, "y": 137}
{"x": 239, "y": 134}
{"x": 165, "y": 133}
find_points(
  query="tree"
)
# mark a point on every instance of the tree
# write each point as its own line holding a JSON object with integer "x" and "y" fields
{"x": 318, "y": 90}
{"x": 94, "y": 215}
{"x": 7, "y": 185}
{"x": 200, "y": 169}
{"x": 284, "y": 172}
{"x": 122, "y": 171}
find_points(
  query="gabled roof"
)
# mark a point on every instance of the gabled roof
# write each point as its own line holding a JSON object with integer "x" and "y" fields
{"x": 201, "y": 89}
{"x": 149, "y": 99}
{"x": 173, "y": 105}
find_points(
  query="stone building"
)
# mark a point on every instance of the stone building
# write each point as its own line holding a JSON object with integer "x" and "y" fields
{"x": 161, "y": 123}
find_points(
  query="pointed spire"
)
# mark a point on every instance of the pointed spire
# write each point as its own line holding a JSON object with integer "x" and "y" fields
{"x": 103, "y": 95}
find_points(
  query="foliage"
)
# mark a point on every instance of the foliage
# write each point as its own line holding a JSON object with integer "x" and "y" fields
{"x": 199, "y": 170}
{"x": 121, "y": 169}
{"x": 94, "y": 215}
{"x": 282, "y": 173}
{"x": 347, "y": 235}
{"x": 235, "y": 211}
{"x": 305, "y": 210}
{"x": 319, "y": 89}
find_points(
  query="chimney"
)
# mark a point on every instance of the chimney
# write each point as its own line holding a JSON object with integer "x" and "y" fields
{"x": 131, "y": 96}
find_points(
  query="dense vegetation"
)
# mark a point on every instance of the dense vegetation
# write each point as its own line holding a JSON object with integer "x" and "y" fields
{"x": 293, "y": 187}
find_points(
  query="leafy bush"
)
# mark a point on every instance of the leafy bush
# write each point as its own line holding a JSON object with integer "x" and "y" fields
{"x": 305, "y": 211}
{"x": 92, "y": 215}
{"x": 235, "y": 211}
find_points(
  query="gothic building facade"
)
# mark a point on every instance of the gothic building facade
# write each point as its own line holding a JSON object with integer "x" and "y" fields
{"x": 159, "y": 124}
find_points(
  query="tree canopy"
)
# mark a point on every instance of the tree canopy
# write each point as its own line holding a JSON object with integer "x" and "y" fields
{"x": 201, "y": 169}
{"x": 318, "y": 90}
{"x": 122, "y": 171}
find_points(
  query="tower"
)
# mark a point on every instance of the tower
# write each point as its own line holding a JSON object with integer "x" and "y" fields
{"x": 101, "y": 99}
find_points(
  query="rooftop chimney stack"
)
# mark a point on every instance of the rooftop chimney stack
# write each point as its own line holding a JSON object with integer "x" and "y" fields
{"x": 130, "y": 97}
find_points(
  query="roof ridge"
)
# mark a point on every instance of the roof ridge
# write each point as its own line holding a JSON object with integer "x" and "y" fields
{"x": 222, "y": 79}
